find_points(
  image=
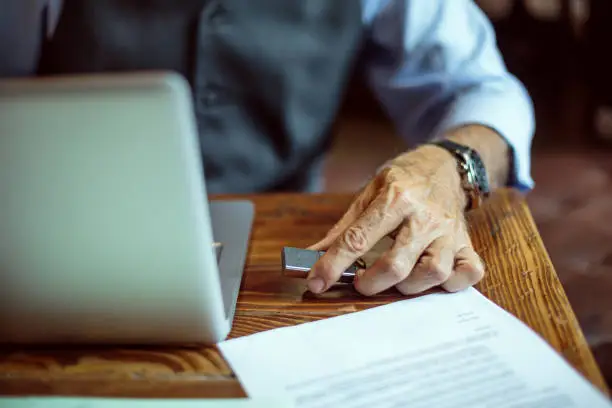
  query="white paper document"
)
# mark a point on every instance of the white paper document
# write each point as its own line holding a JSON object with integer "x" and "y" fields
{"x": 436, "y": 351}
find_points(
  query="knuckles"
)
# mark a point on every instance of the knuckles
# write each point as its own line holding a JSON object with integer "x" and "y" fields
{"x": 476, "y": 272}
{"x": 394, "y": 269}
{"x": 478, "y": 275}
{"x": 410, "y": 193}
{"x": 410, "y": 203}
{"x": 472, "y": 267}
{"x": 355, "y": 239}
{"x": 434, "y": 270}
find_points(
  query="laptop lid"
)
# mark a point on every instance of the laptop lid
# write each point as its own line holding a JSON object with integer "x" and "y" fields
{"x": 105, "y": 231}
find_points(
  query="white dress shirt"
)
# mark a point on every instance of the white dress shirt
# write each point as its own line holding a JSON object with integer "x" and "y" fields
{"x": 435, "y": 65}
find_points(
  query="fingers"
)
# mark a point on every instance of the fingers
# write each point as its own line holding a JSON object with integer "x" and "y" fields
{"x": 468, "y": 270}
{"x": 432, "y": 247}
{"x": 413, "y": 271}
{"x": 434, "y": 267}
{"x": 395, "y": 265}
{"x": 379, "y": 219}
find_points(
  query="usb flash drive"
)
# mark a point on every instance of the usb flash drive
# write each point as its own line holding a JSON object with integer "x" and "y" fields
{"x": 297, "y": 263}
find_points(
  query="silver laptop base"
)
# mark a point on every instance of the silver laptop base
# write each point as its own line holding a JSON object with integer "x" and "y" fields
{"x": 232, "y": 222}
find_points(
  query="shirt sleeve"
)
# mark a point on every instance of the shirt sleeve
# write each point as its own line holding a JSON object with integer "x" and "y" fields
{"x": 435, "y": 65}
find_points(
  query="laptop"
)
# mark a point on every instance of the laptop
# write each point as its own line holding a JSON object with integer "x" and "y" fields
{"x": 106, "y": 231}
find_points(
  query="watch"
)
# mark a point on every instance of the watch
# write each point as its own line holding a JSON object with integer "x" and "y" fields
{"x": 473, "y": 174}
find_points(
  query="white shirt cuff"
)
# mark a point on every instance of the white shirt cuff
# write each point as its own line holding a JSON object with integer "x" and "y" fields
{"x": 507, "y": 109}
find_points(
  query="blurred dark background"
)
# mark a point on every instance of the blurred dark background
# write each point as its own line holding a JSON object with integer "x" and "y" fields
{"x": 559, "y": 49}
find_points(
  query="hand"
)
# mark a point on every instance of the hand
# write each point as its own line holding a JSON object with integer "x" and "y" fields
{"x": 419, "y": 201}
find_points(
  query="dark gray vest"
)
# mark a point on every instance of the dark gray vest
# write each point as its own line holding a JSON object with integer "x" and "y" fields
{"x": 267, "y": 75}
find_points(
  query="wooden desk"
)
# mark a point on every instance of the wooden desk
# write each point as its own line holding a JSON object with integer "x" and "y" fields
{"x": 520, "y": 278}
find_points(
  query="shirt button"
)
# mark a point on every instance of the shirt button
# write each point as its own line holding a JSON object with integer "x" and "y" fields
{"x": 218, "y": 15}
{"x": 211, "y": 95}
{"x": 209, "y": 98}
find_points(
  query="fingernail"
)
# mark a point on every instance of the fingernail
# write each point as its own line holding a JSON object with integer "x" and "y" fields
{"x": 316, "y": 284}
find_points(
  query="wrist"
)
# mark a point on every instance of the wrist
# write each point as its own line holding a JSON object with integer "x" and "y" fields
{"x": 493, "y": 149}
{"x": 448, "y": 177}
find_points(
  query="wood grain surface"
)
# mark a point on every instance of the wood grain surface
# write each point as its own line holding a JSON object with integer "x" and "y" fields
{"x": 520, "y": 278}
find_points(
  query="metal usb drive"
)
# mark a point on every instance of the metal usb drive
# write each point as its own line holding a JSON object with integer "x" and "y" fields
{"x": 297, "y": 263}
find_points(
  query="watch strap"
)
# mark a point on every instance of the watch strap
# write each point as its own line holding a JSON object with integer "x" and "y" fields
{"x": 472, "y": 170}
